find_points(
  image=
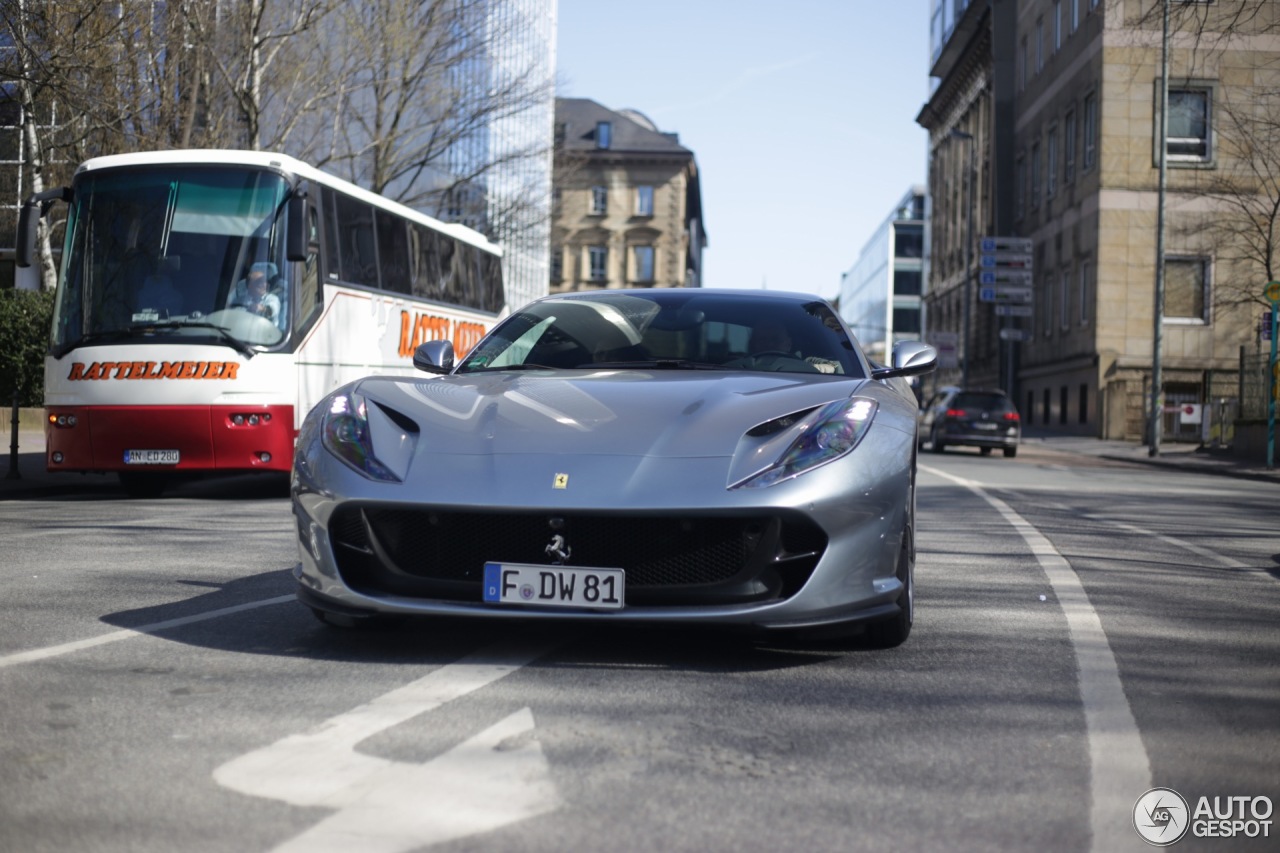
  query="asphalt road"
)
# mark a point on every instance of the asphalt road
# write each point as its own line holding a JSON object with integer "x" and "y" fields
{"x": 1086, "y": 630}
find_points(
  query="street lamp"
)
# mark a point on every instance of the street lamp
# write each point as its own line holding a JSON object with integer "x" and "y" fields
{"x": 968, "y": 249}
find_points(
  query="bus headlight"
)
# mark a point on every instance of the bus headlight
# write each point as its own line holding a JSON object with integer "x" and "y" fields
{"x": 344, "y": 430}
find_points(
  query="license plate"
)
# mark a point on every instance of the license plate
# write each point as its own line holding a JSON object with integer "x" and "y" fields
{"x": 151, "y": 457}
{"x": 986, "y": 426}
{"x": 554, "y": 586}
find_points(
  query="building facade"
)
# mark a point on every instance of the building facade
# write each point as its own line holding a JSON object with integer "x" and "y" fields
{"x": 880, "y": 293}
{"x": 627, "y": 204}
{"x": 1063, "y": 96}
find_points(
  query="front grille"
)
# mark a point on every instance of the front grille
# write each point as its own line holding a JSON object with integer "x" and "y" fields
{"x": 685, "y": 559}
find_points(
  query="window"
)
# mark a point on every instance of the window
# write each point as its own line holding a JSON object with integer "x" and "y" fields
{"x": 1044, "y": 412}
{"x": 597, "y": 262}
{"x": 1051, "y": 167}
{"x": 1069, "y": 148}
{"x": 1186, "y": 286}
{"x": 1090, "y": 130}
{"x": 1083, "y": 402}
{"x": 393, "y": 251}
{"x": 1020, "y": 187}
{"x": 1039, "y": 45}
{"x": 908, "y": 241}
{"x": 557, "y": 265}
{"x": 1062, "y": 404}
{"x": 1075, "y": 15}
{"x": 604, "y": 134}
{"x": 1048, "y": 305}
{"x": 599, "y": 201}
{"x": 1035, "y": 175}
{"x": 1022, "y": 65}
{"x": 1189, "y": 125}
{"x": 1031, "y": 407}
{"x": 1086, "y": 270}
{"x": 644, "y": 201}
{"x": 906, "y": 282}
{"x": 642, "y": 263}
{"x": 1057, "y": 25}
{"x": 906, "y": 321}
{"x": 1064, "y": 300}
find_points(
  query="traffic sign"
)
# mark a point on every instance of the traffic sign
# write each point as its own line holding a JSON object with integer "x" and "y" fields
{"x": 1008, "y": 260}
{"x": 1006, "y": 276}
{"x": 1014, "y": 335}
{"x": 1272, "y": 291}
{"x": 1014, "y": 311}
{"x": 1004, "y": 293}
{"x": 1005, "y": 244}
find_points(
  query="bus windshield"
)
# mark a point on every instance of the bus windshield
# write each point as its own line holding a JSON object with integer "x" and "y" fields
{"x": 169, "y": 252}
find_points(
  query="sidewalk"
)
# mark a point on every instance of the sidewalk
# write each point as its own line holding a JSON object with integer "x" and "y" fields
{"x": 1184, "y": 457}
{"x": 32, "y": 477}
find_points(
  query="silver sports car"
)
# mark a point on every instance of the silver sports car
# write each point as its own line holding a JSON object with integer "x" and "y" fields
{"x": 717, "y": 457}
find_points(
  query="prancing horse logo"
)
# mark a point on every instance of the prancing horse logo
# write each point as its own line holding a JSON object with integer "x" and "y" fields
{"x": 560, "y": 482}
{"x": 558, "y": 550}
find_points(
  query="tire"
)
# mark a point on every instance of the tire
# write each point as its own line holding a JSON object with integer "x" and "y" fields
{"x": 985, "y": 451}
{"x": 138, "y": 485}
{"x": 892, "y": 632}
{"x": 936, "y": 444}
{"x": 1010, "y": 452}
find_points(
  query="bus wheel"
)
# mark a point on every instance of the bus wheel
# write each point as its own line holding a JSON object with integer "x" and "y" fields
{"x": 138, "y": 485}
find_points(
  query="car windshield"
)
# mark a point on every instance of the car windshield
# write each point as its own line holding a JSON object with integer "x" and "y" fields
{"x": 172, "y": 251}
{"x": 672, "y": 330}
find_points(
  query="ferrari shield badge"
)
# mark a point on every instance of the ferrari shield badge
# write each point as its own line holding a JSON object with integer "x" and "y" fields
{"x": 561, "y": 481}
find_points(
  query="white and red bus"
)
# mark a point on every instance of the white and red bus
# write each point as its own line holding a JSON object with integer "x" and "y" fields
{"x": 165, "y": 360}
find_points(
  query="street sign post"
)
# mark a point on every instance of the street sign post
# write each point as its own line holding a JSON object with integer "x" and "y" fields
{"x": 1005, "y": 293}
{"x": 1022, "y": 245}
{"x": 1015, "y": 311}
{"x": 1272, "y": 293}
{"x": 1012, "y": 334}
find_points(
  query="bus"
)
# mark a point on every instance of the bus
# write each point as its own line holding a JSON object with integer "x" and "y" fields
{"x": 207, "y": 299}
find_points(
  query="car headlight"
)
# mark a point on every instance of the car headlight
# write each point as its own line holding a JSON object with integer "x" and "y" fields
{"x": 344, "y": 429}
{"x": 834, "y": 432}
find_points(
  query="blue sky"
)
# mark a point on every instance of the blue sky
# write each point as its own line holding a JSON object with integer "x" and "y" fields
{"x": 801, "y": 115}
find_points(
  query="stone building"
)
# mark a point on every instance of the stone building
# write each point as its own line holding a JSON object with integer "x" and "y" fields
{"x": 627, "y": 205}
{"x": 1059, "y": 100}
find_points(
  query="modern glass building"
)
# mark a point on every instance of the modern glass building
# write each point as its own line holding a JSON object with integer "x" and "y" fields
{"x": 880, "y": 294}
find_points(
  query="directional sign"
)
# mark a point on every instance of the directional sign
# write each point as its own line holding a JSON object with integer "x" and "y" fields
{"x": 1006, "y": 276}
{"x": 1004, "y": 293}
{"x": 1008, "y": 260}
{"x": 1014, "y": 311}
{"x": 1005, "y": 244}
{"x": 1014, "y": 335}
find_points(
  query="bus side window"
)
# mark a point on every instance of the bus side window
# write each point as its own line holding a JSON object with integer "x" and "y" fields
{"x": 310, "y": 290}
{"x": 333, "y": 236}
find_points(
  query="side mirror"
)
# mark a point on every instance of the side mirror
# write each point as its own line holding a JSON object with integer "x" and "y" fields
{"x": 301, "y": 239}
{"x": 33, "y": 210}
{"x": 910, "y": 358}
{"x": 434, "y": 357}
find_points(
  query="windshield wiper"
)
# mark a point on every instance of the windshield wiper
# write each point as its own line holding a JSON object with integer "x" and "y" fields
{"x": 226, "y": 336}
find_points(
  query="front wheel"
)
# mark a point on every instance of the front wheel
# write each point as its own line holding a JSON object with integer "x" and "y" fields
{"x": 1010, "y": 452}
{"x": 936, "y": 442}
{"x": 892, "y": 632}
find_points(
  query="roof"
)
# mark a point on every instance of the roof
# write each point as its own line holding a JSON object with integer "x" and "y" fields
{"x": 579, "y": 117}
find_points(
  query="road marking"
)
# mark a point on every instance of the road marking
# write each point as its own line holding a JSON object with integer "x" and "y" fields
{"x": 129, "y": 633}
{"x": 1177, "y": 543}
{"x": 494, "y": 778}
{"x": 1119, "y": 767}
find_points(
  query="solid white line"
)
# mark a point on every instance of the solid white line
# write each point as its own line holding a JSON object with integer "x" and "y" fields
{"x": 142, "y": 630}
{"x": 1120, "y": 770}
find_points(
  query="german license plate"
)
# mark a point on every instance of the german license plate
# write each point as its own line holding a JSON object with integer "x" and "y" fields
{"x": 554, "y": 586}
{"x": 986, "y": 426}
{"x": 151, "y": 457}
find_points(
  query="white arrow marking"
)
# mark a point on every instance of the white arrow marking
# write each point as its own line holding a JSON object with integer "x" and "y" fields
{"x": 497, "y": 777}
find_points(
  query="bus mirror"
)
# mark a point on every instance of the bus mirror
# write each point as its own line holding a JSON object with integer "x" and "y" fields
{"x": 33, "y": 209}
{"x": 302, "y": 239}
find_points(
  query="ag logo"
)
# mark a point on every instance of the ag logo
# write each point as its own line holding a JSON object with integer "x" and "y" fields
{"x": 1161, "y": 816}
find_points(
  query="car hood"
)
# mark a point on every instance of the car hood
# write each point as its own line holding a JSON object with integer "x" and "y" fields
{"x": 629, "y": 412}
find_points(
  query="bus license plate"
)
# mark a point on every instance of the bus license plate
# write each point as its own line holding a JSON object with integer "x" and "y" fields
{"x": 151, "y": 457}
{"x": 554, "y": 586}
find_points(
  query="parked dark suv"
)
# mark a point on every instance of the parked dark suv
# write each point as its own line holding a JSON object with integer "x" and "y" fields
{"x": 971, "y": 418}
